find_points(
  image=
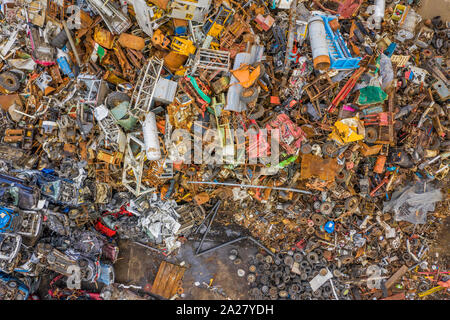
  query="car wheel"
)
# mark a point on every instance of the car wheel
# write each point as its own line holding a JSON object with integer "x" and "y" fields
{"x": 10, "y": 81}
{"x": 250, "y": 94}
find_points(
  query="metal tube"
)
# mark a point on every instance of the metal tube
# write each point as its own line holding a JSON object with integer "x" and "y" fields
{"x": 150, "y": 131}
{"x": 148, "y": 247}
{"x": 234, "y": 241}
{"x": 334, "y": 291}
{"x": 318, "y": 41}
{"x": 220, "y": 246}
{"x": 408, "y": 27}
{"x": 290, "y": 37}
{"x": 72, "y": 43}
{"x": 206, "y": 218}
{"x": 209, "y": 226}
{"x": 250, "y": 186}
{"x": 261, "y": 246}
{"x": 380, "y": 6}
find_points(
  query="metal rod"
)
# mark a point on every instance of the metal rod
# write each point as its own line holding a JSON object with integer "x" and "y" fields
{"x": 216, "y": 209}
{"x": 148, "y": 247}
{"x": 334, "y": 291}
{"x": 250, "y": 186}
{"x": 220, "y": 246}
{"x": 206, "y": 218}
{"x": 234, "y": 241}
{"x": 261, "y": 246}
{"x": 72, "y": 43}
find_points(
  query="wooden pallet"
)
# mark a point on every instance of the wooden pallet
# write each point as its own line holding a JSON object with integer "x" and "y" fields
{"x": 168, "y": 280}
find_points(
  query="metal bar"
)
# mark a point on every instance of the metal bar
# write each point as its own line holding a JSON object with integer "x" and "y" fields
{"x": 250, "y": 186}
{"x": 234, "y": 241}
{"x": 148, "y": 247}
{"x": 207, "y": 217}
{"x": 72, "y": 43}
{"x": 216, "y": 208}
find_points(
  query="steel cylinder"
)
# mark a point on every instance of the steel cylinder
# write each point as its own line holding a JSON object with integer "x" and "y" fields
{"x": 408, "y": 27}
{"x": 151, "y": 141}
{"x": 380, "y": 7}
{"x": 319, "y": 46}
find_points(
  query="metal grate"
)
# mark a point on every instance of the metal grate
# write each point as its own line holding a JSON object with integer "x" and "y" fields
{"x": 145, "y": 88}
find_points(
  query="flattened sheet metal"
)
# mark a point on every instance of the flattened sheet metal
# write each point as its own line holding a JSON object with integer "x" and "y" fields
{"x": 314, "y": 166}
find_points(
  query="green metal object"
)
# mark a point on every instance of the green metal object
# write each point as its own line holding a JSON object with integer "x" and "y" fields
{"x": 371, "y": 95}
{"x": 288, "y": 161}
{"x": 120, "y": 113}
{"x": 199, "y": 91}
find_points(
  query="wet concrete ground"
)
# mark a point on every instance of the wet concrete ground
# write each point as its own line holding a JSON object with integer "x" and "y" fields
{"x": 432, "y": 8}
{"x": 138, "y": 266}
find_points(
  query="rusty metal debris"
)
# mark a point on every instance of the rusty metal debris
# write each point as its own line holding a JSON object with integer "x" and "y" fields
{"x": 318, "y": 128}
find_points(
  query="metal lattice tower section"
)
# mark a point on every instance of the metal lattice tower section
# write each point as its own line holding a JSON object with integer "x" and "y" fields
{"x": 111, "y": 130}
{"x": 145, "y": 88}
{"x": 133, "y": 166}
{"x": 211, "y": 60}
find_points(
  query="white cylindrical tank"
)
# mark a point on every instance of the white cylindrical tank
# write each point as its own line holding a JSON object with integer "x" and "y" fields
{"x": 151, "y": 141}
{"x": 407, "y": 29}
{"x": 319, "y": 46}
{"x": 380, "y": 7}
{"x": 374, "y": 21}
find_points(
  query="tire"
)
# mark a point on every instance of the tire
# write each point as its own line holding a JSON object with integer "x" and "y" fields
{"x": 10, "y": 81}
{"x": 329, "y": 148}
{"x": 115, "y": 98}
{"x": 257, "y": 114}
{"x": 22, "y": 76}
{"x": 249, "y": 95}
{"x": 437, "y": 22}
{"x": 59, "y": 40}
{"x": 371, "y": 135}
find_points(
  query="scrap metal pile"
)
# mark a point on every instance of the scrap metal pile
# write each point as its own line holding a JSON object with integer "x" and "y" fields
{"x": 321, "y": 126}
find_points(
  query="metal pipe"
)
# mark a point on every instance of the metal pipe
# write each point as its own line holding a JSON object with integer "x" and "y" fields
{"x": 290, "y": 37}
{"x": 148, "y": 247}
{"x": 150, "y": 131}
{"x": 219, "y": 246}
{"x": 261, "y": 246}
{"x": 206, "y": 218}
{"x": 408, "y": 27}
{"x": 209, "y": 226}
{"x": 318, "y": 41}
{"x": 334, "y": 291}
{"x": 72, "y": 43}
{"x": 250, "y": 186}
{"x": 237, "y": 240}
{"x": 380, "y": 6}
